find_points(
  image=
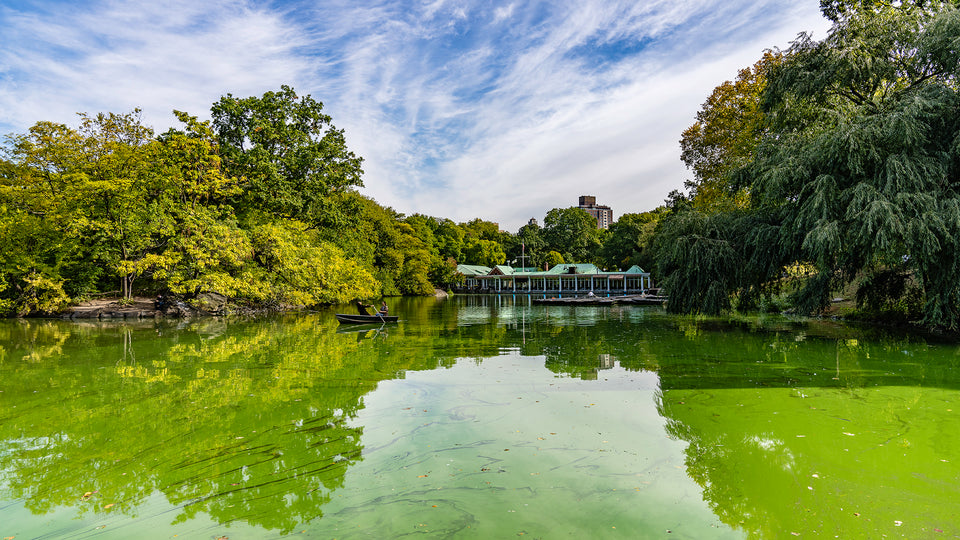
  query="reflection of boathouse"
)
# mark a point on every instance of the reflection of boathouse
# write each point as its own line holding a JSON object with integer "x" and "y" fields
{"x": 562, "y": 278}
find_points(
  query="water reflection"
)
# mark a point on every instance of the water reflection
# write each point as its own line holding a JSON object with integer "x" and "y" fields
{"x": 209, "y": 416}
{"x": 780, "y": 426}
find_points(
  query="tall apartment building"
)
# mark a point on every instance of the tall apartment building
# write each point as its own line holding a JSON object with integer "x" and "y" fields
{"x": 603, "y": 213}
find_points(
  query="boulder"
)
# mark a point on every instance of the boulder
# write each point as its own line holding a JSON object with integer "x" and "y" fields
{"x": 211, "y": 302}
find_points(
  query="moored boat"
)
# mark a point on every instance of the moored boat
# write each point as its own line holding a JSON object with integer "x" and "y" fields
{"x": 365, "y": 319}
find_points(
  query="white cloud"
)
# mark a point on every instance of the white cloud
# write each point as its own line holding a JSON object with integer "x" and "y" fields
{"x": 503, "y": 13}
{"x": 159, "y": 57}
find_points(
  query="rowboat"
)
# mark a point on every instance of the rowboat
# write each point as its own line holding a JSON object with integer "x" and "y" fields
{"x": 365, "y": 319}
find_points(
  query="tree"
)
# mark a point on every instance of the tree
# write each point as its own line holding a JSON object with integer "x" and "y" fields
{"x": 449, "y": 239}
{"x": 867, "y": 179}
{"x": 572, "y": 232}
{"x": 413, "y": 277}
{"x": 552, "y": 258}
{"x": 483, "y": 252}
{"x": 482, "y": 230}
{"x": 722, "y": 140}
{"x": 293, "y": 161}
{"x": 628, "y": 239}
{"x": 298, "y": 268}
{"x": 530, "y": 238}
{"x": 96, "y": 185}
{"x": 858, "y": 167}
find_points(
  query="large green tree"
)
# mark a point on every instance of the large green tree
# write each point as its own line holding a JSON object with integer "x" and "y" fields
{"x": 628, "y": 240}
{"x": 573, "y": 233}
{"x": 723, "y": 139}
{"x": 857, "y": 169}
{"x": 97, "y": 186}
{"x": 864, "y": 166}
{"x": 292, "y": 161}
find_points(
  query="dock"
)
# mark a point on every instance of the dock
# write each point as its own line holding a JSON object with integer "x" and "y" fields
{"x": 627, "y": 299}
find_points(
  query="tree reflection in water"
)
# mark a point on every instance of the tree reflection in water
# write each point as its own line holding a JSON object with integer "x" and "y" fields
{"x": 789, "y": 426}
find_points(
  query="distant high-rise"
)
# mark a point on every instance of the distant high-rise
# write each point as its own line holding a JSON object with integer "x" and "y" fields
{"x": 603, "y": 213}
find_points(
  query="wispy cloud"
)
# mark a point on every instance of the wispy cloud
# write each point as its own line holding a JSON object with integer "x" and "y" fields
{"x": 461, "y": 108}
{"x": 114, "y": 56}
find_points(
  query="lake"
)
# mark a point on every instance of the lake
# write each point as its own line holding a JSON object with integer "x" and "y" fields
{"x": 477, "y": 417}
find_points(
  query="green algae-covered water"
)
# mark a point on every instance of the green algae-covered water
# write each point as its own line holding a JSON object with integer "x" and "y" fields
{"x": 477, "y": 417}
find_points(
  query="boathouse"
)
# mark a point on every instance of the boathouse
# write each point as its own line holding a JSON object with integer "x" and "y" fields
{"x": 562, "y": 278}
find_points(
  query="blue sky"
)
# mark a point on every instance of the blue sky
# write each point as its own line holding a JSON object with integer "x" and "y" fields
{"x": 461, "y": 109}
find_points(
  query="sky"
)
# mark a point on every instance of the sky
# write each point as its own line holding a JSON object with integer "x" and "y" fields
{"x": 501, "y": 110}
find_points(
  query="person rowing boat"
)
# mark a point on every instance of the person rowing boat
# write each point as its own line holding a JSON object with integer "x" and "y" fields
{"x": 362, "y": 308}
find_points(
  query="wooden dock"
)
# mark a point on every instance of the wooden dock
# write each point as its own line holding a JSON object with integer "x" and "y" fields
{"x": 634, "y": 299}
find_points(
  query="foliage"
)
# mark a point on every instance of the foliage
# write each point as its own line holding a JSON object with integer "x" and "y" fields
{"x": 292, "y": 160}
{"x": 700, "y": 259}
{"x": 299, "y": 269}
{"x": 551, "y": 259}
{"x": 532, "y": 244}
{"x": 482, "y": 230}
{"x": 82, "y": 207}
{"x": 443, "y": 273}
{"x": 40, "y": 294}
{"x": 572, "y": 232}
{"x": 483, "y": 252}
{"x": 890, "y": 293}
{"x": 628, "y": 240}
{"x": 722, "y": 140}
{"x": 856, "y": 171}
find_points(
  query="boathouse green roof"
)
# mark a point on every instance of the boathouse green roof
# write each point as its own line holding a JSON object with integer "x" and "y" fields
{"x": 573, "y": 269}
{"x": 473, "y": 270}
{"x": 563, "y": 269}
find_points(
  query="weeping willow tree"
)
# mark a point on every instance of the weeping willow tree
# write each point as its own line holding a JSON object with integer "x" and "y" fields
{"x": 857, "y": 168}
{"x": 862, "y": 155}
